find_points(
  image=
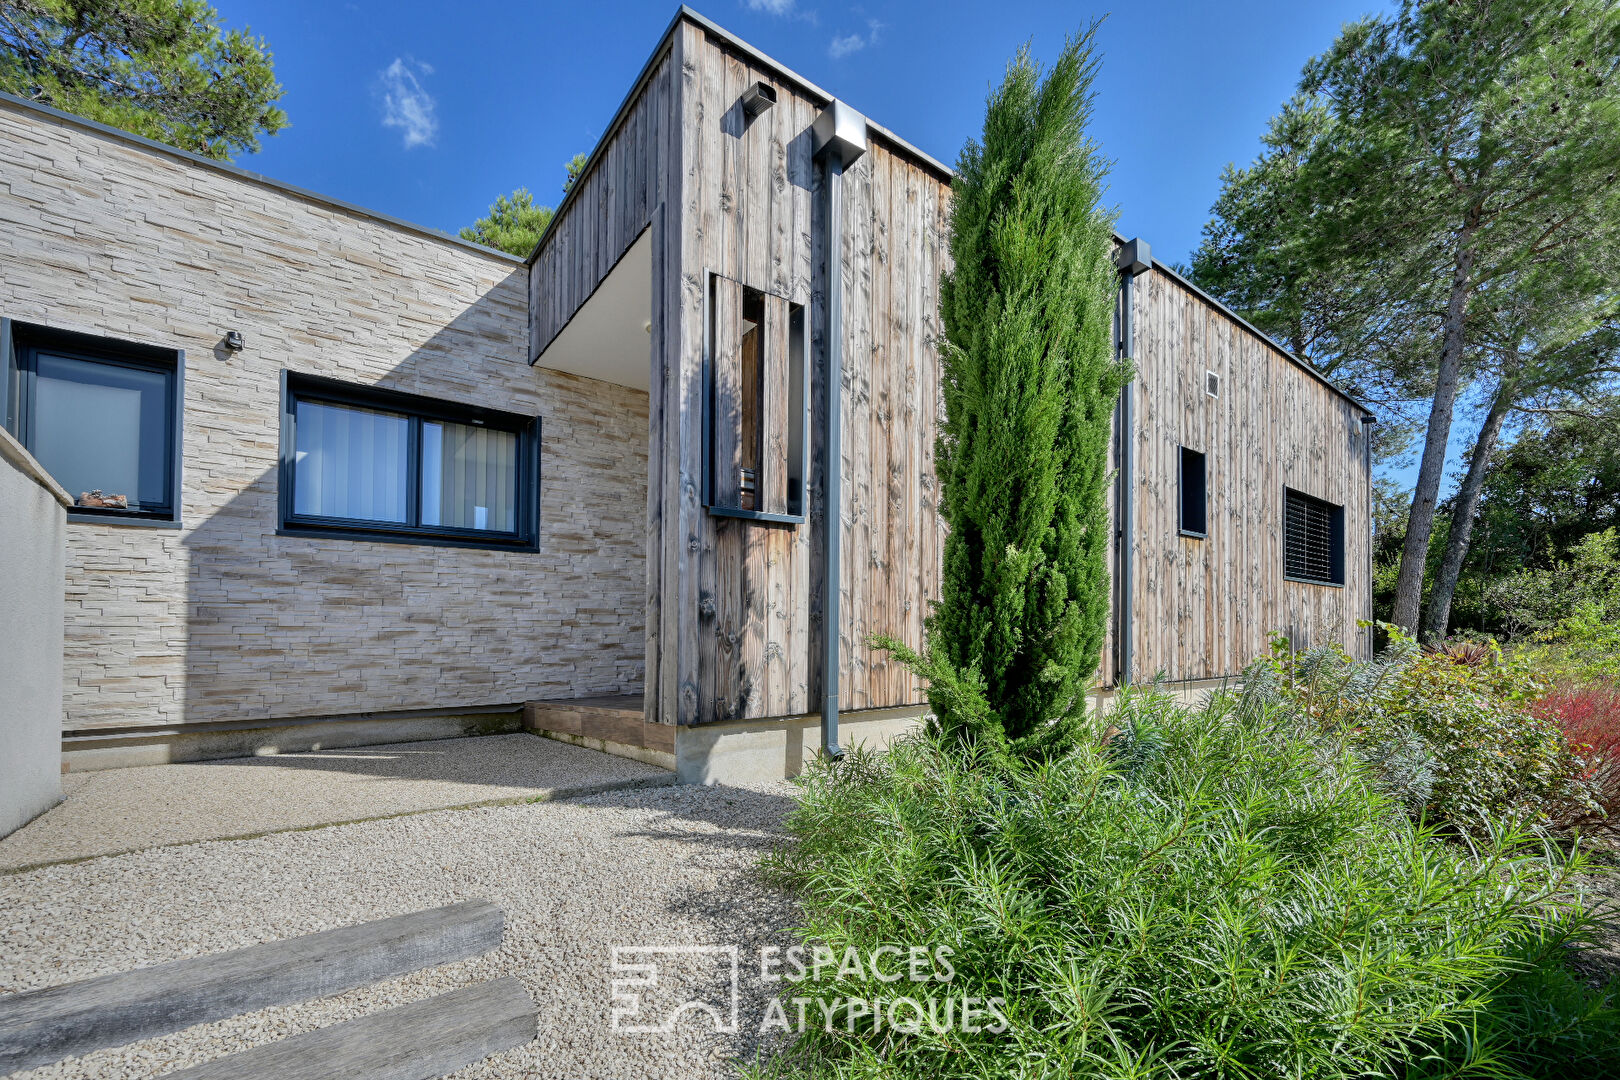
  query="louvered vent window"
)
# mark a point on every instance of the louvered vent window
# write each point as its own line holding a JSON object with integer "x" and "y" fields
{"x": 1313, "y": 539}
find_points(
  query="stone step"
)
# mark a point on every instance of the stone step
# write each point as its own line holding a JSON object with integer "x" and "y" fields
{"x": 41, "y": 1026}
{"x": 419, "y": 1041}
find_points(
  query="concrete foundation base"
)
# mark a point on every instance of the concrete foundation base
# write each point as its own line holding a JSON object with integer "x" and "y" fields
{"x": 760, "y": 751}
{"x": 88, "y": 751}
{"x": 733, "y": 752}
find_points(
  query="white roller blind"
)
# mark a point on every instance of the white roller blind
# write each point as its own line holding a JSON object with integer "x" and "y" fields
{"x": 351, "y": 463}
{"x": 469, "y": 477}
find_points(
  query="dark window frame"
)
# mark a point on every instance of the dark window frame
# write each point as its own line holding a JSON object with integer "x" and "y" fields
{"x": 20, "y": 342}
{"x": 796, "y": 439}
{"x": 1336, "y": 537}
{"x": 1184, "y": 491}
{"x": 296, "y": 386}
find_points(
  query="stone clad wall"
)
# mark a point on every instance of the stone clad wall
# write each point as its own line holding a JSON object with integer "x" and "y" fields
{"x": 222, "y": 620}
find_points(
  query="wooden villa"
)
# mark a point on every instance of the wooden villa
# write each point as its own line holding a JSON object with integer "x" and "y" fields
{"x": 650, "y": 489}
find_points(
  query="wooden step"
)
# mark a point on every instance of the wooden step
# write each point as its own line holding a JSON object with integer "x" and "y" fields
{"x": 616, "y": 719}
{"x": 41, "y": 1026}
{"x": 412, "y": 1042}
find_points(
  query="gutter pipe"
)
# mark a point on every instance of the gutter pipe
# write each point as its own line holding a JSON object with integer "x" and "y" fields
{"x": 838, "y": 139}
{"x": 1133, "y": 258}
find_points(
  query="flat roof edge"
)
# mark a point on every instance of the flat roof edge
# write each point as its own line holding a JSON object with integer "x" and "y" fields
{"x": 141, "y": 142}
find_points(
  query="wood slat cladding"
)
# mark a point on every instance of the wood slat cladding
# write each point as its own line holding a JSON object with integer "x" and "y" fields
{"x": 1205, "y": 607}
{"x": 734, "y": 606}
{"x": 750, "y": 209}
{"x": 616, "y": 198}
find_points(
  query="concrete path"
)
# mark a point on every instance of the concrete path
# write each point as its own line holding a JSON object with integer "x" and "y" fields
{"x": 121, "y": 810}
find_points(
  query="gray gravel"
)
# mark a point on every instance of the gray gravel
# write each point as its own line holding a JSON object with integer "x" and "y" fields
{"x": 658, "y": 866}
{"x": 120, "y": 810}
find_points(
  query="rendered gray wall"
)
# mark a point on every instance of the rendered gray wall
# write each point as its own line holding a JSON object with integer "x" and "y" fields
{"x": 33, "y": 524}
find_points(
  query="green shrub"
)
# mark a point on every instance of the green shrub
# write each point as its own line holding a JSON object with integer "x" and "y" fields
{"x": 1571, "y": 596}
{"x": 1451, "y": 731}
{"x": 1584, "y": 647}
{"x": 1222, "y": 892}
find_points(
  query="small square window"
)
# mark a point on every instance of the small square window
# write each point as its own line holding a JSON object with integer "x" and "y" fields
{"x": 376, "y": 464}
{"x": 1313, "y": 539}
{"x": 101, "y": 415}
{"x": 1193, "y": 485}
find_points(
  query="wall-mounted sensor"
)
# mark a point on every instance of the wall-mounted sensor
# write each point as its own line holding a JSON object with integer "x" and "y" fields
{"x": 233, "y": 340}
{"x": 757, "y": 99}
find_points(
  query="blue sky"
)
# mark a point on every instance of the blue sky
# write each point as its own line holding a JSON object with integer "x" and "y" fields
{"x": 486, "y": 97}
{"x": 427, "y": 110}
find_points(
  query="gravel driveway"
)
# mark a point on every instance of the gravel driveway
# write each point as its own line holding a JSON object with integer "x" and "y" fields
{"x": 664, "y": 866}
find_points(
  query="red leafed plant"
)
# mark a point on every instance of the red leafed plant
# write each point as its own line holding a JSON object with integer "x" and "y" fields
{"x": 1589, "y": 715}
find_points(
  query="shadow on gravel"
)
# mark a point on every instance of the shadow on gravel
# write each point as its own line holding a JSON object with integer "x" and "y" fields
{"x": 733, "y": 827}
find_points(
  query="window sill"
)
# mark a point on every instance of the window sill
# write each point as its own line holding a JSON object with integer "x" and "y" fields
{"x": 82, "y": 517}
{"x": 1190, "y": 535}
{"x": 419, "y": 539}
{"x": 756, "y": 515}
{"x": 1314, "y": 581}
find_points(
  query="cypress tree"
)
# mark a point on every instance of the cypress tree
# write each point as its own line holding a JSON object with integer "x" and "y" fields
{"x": 1030, "y": 382}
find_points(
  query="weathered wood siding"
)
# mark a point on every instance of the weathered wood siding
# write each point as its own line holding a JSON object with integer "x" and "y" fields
{"x": 628, "y": 178}
{"x": 1205, "y": 608}
{"x": 734, "y": 607}
{"x": 740, "y": 628}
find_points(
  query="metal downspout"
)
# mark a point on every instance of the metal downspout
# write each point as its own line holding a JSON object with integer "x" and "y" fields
{"x": 1367, "y": 421}
{"x": 839, "y": 138}
{"x": 1133, "y": 258}
{"x": 833, "y": 514}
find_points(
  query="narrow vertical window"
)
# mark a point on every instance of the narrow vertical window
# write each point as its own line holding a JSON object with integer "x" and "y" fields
{"x": 750, "y": 363}
{"x": 1193, "y": 484}
{"x": 755, "y": 405}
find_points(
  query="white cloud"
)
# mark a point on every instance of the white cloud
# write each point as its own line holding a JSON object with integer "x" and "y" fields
{"x": 406, "y": 105}
{"x": 770, "y": 7}
{"x": 844, "y": 44}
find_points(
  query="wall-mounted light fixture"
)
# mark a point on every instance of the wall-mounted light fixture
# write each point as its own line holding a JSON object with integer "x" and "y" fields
{"x": 757, "y": 99}
{"x": 233, "y": 340}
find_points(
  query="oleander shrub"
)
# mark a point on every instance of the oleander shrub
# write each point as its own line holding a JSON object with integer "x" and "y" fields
{"x": 1218, "y": 892}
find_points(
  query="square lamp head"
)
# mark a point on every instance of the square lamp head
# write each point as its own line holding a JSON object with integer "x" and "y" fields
{"x": 839, "y": 130}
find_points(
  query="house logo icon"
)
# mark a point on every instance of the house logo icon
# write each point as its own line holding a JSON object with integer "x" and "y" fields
{"x": 655, "y": 985}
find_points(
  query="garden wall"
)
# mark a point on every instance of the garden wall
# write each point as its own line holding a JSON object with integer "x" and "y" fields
{"x": 33, "y": 524}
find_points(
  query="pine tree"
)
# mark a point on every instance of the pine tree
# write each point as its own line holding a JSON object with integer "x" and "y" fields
{"x": 514, "y": 224}
{"x": 1030, "y": 382}
{"x": 165, "y": 69}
